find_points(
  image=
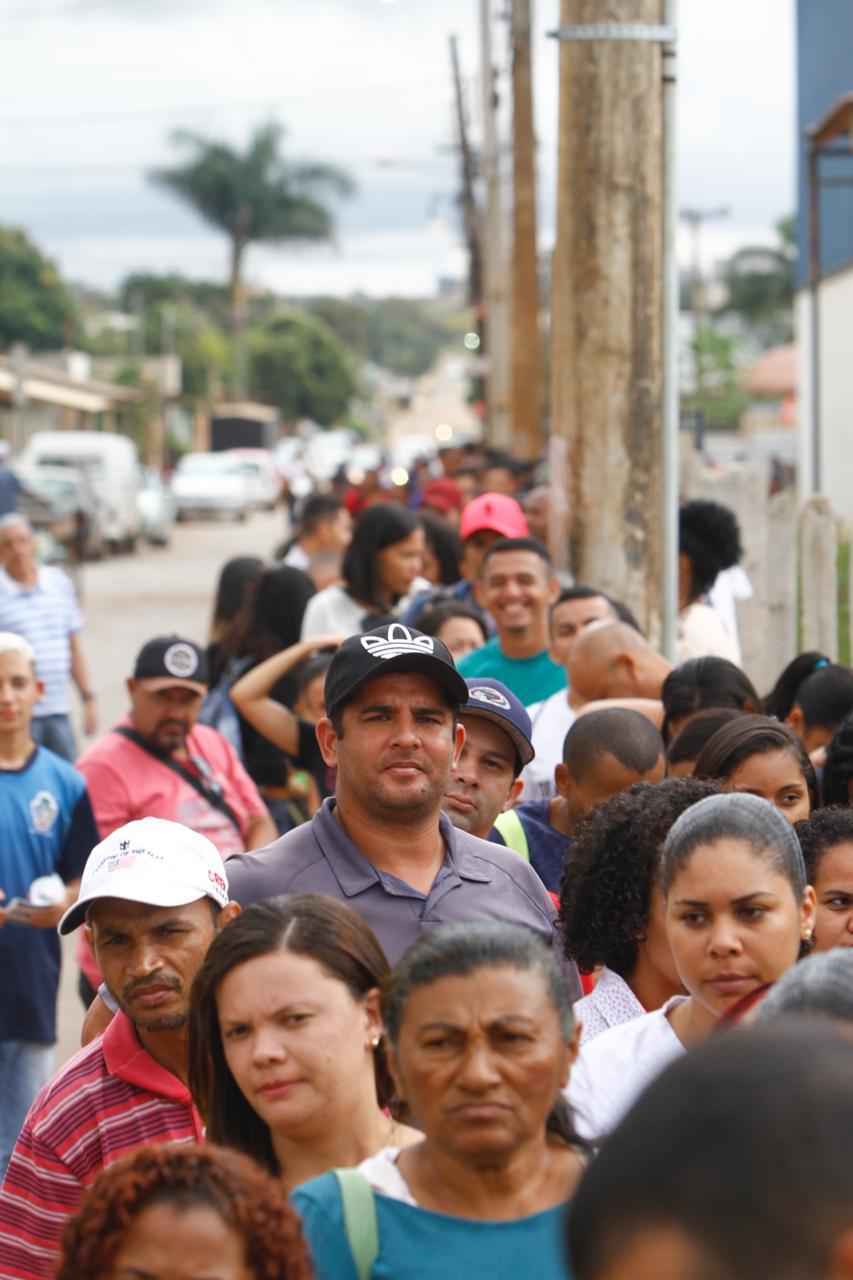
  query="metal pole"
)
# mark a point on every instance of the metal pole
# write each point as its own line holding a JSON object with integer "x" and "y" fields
{"x": 494, "y": 256}
{"x": 671, "y": 415}
{"x": 814, "y": 317}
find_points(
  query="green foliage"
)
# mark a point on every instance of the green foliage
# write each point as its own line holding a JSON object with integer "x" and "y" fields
{"x": 721, "y": 400}
{"x": 35, "y": 306}
{"x": 760, "y": 286}
{"x": 401, "y": 334}
{"x": 299, "y": 365}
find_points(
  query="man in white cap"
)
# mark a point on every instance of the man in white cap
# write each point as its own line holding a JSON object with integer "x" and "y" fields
{"x": 153, "y": 895}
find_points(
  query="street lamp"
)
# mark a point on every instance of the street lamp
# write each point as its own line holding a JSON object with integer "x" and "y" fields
{"x": 822, "y": 140}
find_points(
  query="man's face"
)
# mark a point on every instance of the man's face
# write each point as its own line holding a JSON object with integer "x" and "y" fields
{"x": 398, "y": 742}
{"x": 517, "y": 589}
{"x": 569, "y": 619}
{"x": 18, "y": 551}
{"x": 536, "y": 508}
{"x": 482, "y": 781}
{"x": 605, "y": 777}
{"x": 19, "y": 692}
{"x": 149, "y": 956}
{"x": 499, "y": 480}
{"x": 473, "y": 550}
{"x": 164, "y": 717}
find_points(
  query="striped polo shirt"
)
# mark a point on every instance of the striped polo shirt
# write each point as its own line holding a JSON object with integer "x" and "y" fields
{"x": 109, "y": 1100}
{"x": 47, "y": 615}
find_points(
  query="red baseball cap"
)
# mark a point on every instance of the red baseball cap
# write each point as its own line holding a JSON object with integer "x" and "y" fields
{"x": 443, "y": 495}
{"x": 495, "y": 511}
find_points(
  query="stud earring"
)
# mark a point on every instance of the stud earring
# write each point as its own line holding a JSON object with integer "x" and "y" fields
{"x": 375, "y": 1042}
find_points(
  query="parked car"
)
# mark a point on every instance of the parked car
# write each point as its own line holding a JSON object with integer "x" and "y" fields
{"x": 157, "y": 508}
{"x": 62, "y": 502}
{"x": 263, "y": 476}
{"x": 211, "y": 484}
{"x": 110, "y": 461}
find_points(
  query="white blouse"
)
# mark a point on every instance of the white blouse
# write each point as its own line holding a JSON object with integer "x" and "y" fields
{"x": 616, "y": 1066}
{"x": 610, "y": 1003}
{"x": 383, "y": 1174}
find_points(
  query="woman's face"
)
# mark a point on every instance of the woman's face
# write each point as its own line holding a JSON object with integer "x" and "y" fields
{"x": 165, "y": 1242}
{"x": 399, "y": 564}
{"x": 775, "y": 776}
{"x": 481, "y": 1060}
{"x": 296, "y": 1041}
{"x": 733, "y": 923}
{"x": 461, "y": 635}
{"x": 833, "y": 886}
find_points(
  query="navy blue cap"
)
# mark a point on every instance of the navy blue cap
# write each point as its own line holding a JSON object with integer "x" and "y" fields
{"x": 492, "y": 700}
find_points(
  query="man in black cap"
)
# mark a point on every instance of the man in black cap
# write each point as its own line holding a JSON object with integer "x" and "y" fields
{"x": 159, "y": 763}
{"x": 382, "y": 844}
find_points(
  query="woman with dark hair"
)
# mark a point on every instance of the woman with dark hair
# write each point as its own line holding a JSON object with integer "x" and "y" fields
{"x": 708, "y": 543}
{"x": 481, "y": 1041}
{"x": 456, "y": 624}
{"x": 611, "y": 909}
{"x": 442, "y": 551}
{"x": 826, "y": 840}
{"x": 688, "y": 745}
{"x": 182, "y": 1212}
{"x": 758, "y": 755}
{"x": 232, "y": 608}
{"x": 701, "y": 683}
{"x": 821, "y": 703}
{"x": 782, "y": 696}
{"x": 380, "y": 567}
{"x": 286, "y": 1057}
{"x": 737, "y": 913}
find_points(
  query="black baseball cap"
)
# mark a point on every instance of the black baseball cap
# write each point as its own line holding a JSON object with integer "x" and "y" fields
{"x": 167, "y": 661}
{"x": 384, "y": 651}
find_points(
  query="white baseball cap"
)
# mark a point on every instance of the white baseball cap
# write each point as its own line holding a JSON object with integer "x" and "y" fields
{"x": 158, "y": 863}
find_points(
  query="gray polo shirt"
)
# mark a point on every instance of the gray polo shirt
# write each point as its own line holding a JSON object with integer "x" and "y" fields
{"x": 478, "y": 881}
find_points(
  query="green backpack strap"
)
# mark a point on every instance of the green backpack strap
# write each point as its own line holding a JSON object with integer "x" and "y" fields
{"x": 515, "y": 837}
{"x": 359, "y": 1206}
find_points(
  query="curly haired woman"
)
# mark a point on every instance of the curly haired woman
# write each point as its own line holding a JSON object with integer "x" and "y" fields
{"x": 183, "y": 1213}
{"x": 610, "y": 909}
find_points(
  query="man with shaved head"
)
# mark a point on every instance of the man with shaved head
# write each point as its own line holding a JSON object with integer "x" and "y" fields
{"x": 611, "y": 660}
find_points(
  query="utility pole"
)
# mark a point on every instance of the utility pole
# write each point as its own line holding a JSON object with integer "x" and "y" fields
{"x": 526, "y": 397}
{"x": 494, "y": 252}
{"x": 467, "y": 196}
{"x": 607, "y": 305}
{"x": 695, "y": 220}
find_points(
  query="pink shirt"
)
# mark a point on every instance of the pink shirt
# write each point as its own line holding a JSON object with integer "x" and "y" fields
{"x": 127, "y": 782}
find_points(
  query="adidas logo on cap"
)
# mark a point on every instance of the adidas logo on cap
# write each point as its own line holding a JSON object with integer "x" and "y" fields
{"x": 399, "y": 640}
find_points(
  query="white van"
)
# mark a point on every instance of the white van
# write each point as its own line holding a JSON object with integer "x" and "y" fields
{"x": 111, "y": 461}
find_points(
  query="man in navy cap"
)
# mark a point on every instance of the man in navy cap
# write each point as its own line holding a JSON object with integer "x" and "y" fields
{"x": 382, "y": 844}
{"x": 485, "y": 777}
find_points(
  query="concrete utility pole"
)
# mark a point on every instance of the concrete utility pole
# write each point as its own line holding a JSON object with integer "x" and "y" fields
{"x": 496, "y": 281}
{"x": 467, "y": 197}
{"x": 607, "y": 305}
{"x": 526, "y": 397}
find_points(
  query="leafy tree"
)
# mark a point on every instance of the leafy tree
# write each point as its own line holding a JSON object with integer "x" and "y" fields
{"x": 299, "y": 365}
{"x": 401, "y": 334}
{"x": 760, "y": 284}
{"x": 35, "y": 306}
{"x": 721, "y": 400}
{"x": 254, "y": 195}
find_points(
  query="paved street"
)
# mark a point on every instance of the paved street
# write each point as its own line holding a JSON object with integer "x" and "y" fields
{"x": 128, "y": 600}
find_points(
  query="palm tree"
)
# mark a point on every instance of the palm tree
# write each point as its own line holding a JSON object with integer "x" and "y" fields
{"x": 253, "y": 195}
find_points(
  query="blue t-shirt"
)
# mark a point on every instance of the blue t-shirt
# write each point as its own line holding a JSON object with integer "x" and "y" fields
{"x": 531, "y": 679}
{"x": 547, "y": 847}
{"x": 46, "y": 827}
{"x": 417, "y": 1244}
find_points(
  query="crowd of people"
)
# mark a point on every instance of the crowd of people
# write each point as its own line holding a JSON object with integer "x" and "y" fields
{"x": 429, "y": 920}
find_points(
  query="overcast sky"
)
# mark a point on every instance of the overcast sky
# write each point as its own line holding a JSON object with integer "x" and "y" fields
{"x": 92, "y": 88}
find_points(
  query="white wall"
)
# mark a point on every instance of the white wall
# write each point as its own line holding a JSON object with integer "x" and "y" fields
{"x": 836, "y": 385}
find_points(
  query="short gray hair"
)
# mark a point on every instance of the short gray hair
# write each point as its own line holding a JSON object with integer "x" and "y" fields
{"x": 821, "y": 985}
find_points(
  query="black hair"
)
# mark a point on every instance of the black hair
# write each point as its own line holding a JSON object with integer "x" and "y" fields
{"x": 457, "y": 950}
{"x": 435, "y": 615}
{"x": 307, "y": 671}
{"x": 752, "y": 736}
{"x": 826, "y": 697}
{"x": 308, "y": 924}
{"x": 838, "y": 769}
{"x": 581, "y": 592}
{"x": 821, "y": 832}
{"x": 316, "y": 509}
{"x": 705, "y": 682}
{"x": 236, "y": 577}
{"x": 615, "y": 731}
{"x": 709, "y": 535}
{"x": 378, "y": 527}
{"x": 517, "y": 544}
{"x": 279, "y": 606}
{"x": 499, "y": 458}
{"x": 443, "y": 541}
{"x": 688, "y": 744}
{"x": 766, "y": 1107}
{"x": 605, "y": 895}
{"x": 783, "y": 695}
{"x": 735, "y": 816}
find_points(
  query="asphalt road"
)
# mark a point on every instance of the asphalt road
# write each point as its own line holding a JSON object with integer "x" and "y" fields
{"x": 126, "y": 601}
